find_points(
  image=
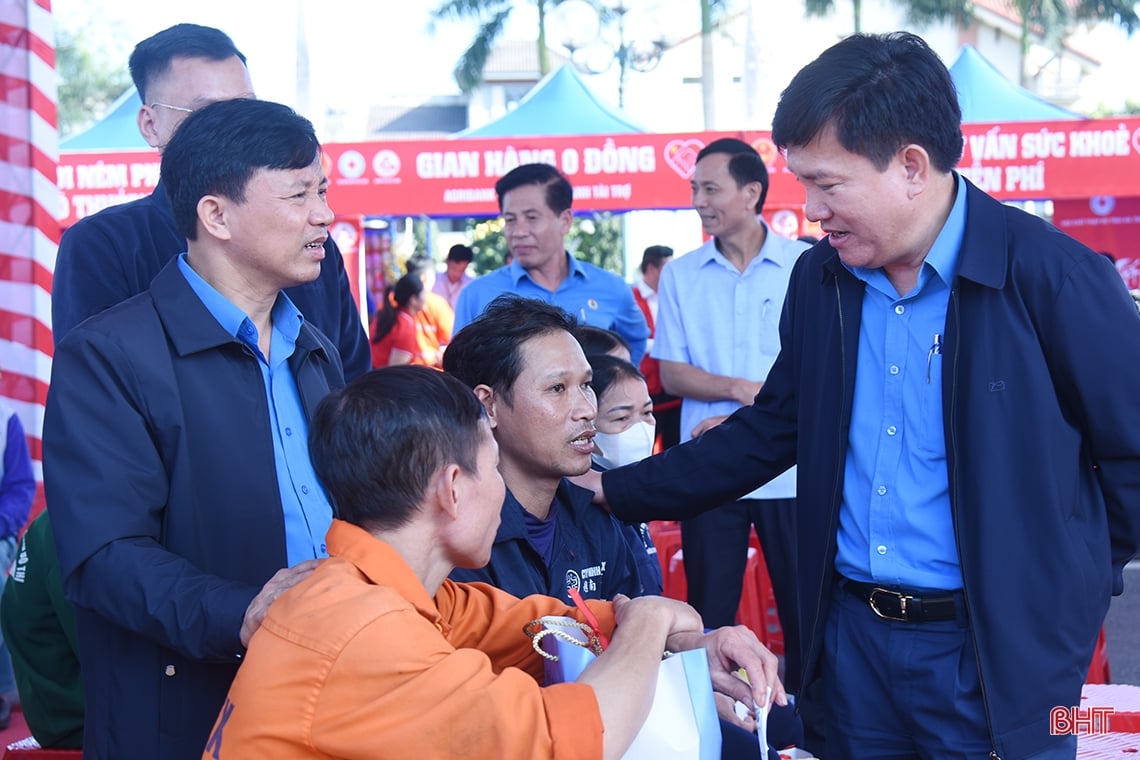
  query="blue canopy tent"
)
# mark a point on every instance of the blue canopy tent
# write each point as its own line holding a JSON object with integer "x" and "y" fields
{"x": 987, "y": 96}
{"x": 560, "y": 104}
{"x": 118, "y": 130}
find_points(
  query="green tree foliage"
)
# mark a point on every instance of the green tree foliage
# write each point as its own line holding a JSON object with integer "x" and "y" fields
{"x": 918, "y": 12}
{"x": 87, "y": 83}
{"x": 492, "y": 16}
{"x": 1052, "y": 20}
{"x": 595, "y": 238}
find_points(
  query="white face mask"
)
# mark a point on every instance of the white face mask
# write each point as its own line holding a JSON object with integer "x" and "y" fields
{"x": 630, "y": 445}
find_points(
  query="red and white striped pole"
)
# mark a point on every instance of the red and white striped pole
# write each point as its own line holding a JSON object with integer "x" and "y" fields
{"x": 29, "y": 203}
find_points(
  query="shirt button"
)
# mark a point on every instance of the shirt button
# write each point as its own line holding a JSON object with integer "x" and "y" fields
{"x": 881, "y": 490}
{"x": 304, "y": 489}
{"x": 894, "y": 369}
{"x": 881, "y": 549}
{"x": 891, "y": 430}
{"x": 288, "y": 431}
{"x": 900, "y": 309}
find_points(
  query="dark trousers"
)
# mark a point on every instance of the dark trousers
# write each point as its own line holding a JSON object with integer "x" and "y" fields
{"x": 716, "y": 552}
{"x": 898, "y": 690}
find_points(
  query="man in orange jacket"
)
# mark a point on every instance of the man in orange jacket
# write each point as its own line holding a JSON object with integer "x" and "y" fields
{"x": 378, "y": 655}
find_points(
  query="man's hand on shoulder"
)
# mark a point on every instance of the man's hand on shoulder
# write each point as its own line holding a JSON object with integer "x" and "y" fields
{"x": 283, "y": 580}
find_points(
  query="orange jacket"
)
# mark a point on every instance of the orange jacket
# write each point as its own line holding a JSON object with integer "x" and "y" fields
{"x": 357, "y": 661}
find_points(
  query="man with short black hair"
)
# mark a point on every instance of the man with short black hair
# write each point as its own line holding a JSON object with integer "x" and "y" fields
{"x": 176, "y": 468}
{"x": 950, "y": 382}
{"x": 378, "y": 655}
{"x": 455, "y": 279}
{"x": 112, "y": 255}
{"x": 717, "y": 337}
{"x": 523, "y": 362}
{"x": 535, "y": 200}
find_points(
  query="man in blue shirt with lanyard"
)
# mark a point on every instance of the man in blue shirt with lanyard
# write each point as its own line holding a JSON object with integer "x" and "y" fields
{"x": 951, "y": 382}
{"x": 535, "y": 203}
{"x": 175, "y": 438}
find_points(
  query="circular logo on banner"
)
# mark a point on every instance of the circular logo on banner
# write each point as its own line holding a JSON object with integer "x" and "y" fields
{"x": 572, "y": 580}
{"x": 1136, "y": 140}
{"x": 1102, "y": 205}
{"x": 386, "y": 163}
{"x": 351, "y": 164}
{"x": 345, "y": 235}
{"x": 767, "y": 150}
{"x": 785, "y": 222}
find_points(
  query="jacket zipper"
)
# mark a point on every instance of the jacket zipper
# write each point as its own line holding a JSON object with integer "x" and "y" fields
{"x": 835, "y": 497}
{"x": 954, "y": 506}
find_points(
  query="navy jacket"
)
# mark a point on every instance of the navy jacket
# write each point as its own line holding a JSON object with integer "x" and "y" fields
{"x": 160, "y": 478}
{"x": 1041, "y": 363}
{"x": 110, "y": 256}
{"x": 590, "y": 553}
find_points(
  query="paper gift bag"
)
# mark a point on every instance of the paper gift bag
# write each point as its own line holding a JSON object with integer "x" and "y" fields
{"x": 682, "y": 722}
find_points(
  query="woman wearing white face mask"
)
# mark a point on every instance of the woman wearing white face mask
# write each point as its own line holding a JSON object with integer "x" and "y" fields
{"x": 626, "y": 430}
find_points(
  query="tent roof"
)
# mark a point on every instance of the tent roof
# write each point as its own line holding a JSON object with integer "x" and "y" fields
{"x": 987, "y": 96}
{"x": 560, "y": 104}
{"x": 118, "y": 130}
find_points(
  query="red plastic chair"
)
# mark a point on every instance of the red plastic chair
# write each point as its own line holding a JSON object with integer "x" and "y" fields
{"x": 1098, "y": 670}
{"x": 666, "y": 535}
{"x": 676, "y": 586}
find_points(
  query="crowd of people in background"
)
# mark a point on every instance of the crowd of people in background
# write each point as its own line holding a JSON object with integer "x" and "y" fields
{"x": 268, "y": 538}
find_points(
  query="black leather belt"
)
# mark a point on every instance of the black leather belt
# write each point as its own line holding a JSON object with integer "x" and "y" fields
{"x": 903, "y": 605}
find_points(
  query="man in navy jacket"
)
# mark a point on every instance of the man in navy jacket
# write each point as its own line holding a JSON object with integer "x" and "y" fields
{"x": 114, "y": 254}
{"x": 175, "y": 437}
{"x": 957, "y": 385}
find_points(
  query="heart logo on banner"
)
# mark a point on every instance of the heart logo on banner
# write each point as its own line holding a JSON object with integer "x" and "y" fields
{"x": 681, "y": 155}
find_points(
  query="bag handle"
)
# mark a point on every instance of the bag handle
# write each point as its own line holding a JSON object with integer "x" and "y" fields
{"x": 552, "y": 626}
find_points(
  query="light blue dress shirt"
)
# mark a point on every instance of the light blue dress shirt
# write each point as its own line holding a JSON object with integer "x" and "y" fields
{"x": 727, "y": 322}
{"x": 306, "y": 508}
{"x": 591, "y": 295}
{"x": 895, "y": 523}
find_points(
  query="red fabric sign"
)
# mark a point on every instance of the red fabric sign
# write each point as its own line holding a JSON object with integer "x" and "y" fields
{"x": 454, "y": 177}
{"x": 1105, "y": 223}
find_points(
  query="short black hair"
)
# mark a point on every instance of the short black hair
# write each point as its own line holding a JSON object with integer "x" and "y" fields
{"x": 599, "y": 340}
{"x": 608, "y": 370}
{"x": 376, "y": 442}
{"x": 219, "y": 147}
{"x": 559, "y": 193}
{"x": 418, "y": 264}
{"x": 880, "y": 92}
{"x": 744, "y": 164}
{"x": 488, "y": 350}
{"x": 151, "y": 58}
{"x": 654, "y": 256}
{"x": 460, "y": 252}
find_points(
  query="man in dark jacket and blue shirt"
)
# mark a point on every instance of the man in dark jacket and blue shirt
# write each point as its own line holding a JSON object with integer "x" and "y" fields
{"x": 176, "y": 459}
{"x": 523, "y": 362}
{"x": 114, "y": 254}
{"x": 957, "y": 383}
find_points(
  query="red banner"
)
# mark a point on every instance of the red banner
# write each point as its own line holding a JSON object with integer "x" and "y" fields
{"x": 453, "y": 177}
{"x": 1107, "y": 224}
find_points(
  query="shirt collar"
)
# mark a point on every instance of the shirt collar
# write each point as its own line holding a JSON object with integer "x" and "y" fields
{"x": 287, "y": 318}
{"x": 574, "y": 269}
{"x": 784, "y": 256}
{"x": 942, "y": 259}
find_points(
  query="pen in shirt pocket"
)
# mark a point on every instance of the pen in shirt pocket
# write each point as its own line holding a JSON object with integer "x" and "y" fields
{"x": 935, "y": 349}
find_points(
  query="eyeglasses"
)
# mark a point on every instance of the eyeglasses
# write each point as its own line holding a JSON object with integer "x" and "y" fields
{"x": 172, "y": 108}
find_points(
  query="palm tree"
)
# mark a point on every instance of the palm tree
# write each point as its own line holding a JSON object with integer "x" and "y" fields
{"x": 493, "y": 14}
{"x": 919, "y": 12}
{"x": 1052, "y": 21}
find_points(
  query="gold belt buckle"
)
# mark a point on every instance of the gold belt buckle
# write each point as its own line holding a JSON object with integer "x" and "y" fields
{"x": 903, "y": 598}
